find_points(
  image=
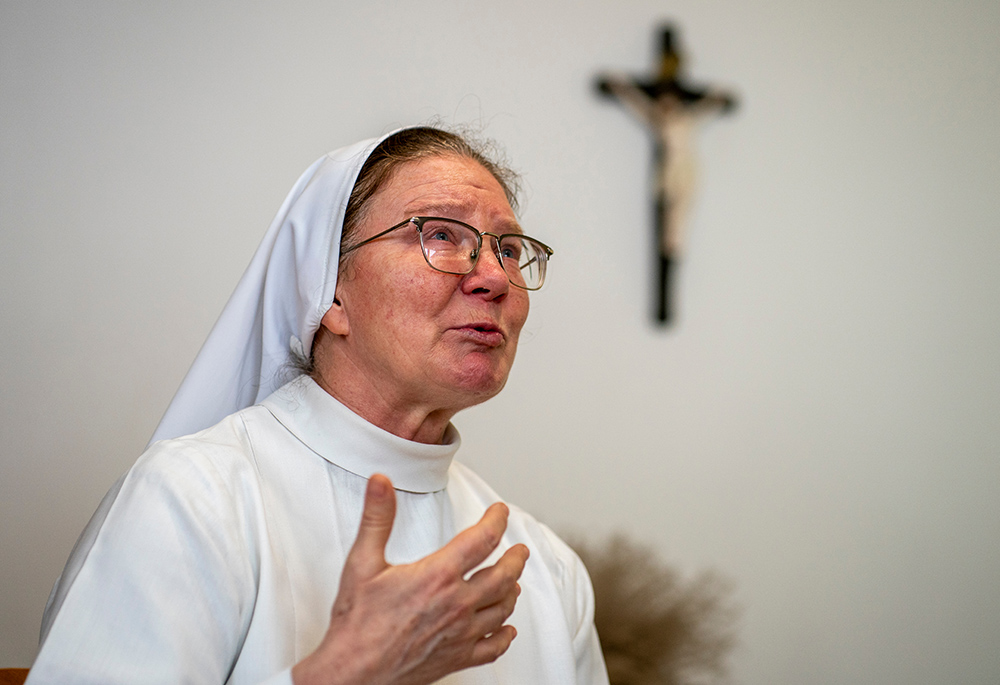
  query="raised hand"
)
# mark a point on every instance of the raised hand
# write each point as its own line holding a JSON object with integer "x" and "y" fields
{"x": 415, "y": 623}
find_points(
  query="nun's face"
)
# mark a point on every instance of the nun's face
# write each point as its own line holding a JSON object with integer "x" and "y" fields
{"x": 414, "y": 336}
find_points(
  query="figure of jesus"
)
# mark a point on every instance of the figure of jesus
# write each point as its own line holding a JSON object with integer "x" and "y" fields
{"x": 671, "y": 109}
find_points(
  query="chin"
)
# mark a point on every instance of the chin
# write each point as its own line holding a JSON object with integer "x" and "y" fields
{"x": 479, "y": 384}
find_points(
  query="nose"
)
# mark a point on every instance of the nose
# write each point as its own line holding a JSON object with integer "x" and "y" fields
{"x": 487, "y": 277}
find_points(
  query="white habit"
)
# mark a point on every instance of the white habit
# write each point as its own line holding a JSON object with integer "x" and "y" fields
{"x": 218, "y": 556}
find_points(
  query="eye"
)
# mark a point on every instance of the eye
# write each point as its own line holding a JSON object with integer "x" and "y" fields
{"x": 442, "y": 233}
{"x": 511, "y": 249}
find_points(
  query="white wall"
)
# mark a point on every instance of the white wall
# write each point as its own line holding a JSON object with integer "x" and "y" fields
{"x": 820, "y": 426}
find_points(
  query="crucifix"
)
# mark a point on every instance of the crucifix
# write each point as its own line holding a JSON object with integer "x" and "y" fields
{"x": 671, "y": 108}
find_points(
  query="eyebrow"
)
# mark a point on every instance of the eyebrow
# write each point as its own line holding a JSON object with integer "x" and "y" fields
{"x": 447, "y": 210}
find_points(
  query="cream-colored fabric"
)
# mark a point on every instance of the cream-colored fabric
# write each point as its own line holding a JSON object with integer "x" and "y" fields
{"x": 218, "y": 558}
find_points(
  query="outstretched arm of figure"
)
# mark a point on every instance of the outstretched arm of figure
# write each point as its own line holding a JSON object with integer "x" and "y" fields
{"x": 713, "y": 102}
{"x": 634, "y": 98}
{"x": 415, "y": 623}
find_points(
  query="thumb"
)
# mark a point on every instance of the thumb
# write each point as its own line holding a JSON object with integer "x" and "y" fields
{"x": 367, "y": 556}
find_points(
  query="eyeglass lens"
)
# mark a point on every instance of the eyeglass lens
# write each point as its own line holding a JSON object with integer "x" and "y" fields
{"x": 451, "y": 247}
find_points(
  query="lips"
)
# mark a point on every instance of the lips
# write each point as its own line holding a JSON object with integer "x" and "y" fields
{"x": 483, "y": 333}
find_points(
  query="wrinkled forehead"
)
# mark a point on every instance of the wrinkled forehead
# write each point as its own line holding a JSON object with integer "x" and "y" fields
{"x": 449, "y": 186}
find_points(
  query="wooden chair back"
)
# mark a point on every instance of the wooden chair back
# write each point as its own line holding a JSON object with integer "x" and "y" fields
{"x": 13, "y": 676}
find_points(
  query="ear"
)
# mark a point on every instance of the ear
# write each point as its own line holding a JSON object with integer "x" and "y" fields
{"x": 335, "y": 319}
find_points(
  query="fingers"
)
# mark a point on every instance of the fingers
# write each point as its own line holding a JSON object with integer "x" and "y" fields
{"x": 495, "y": 583}
{"x": 491, "y": 647}
{"x": 456, "y": 620}
{"x": 367, "y": 555}
{"x": 490, "y": 619}
{"x": 470, "y": 548}
{"x": 496, "y": 591}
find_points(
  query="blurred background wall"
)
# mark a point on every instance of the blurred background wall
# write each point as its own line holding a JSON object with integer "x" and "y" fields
{"x": 821, "y": 423}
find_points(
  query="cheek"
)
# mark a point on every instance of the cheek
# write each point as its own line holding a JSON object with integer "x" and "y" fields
{"x": 388, "y": 286}
{"x": 519, "y": 311}
{"x": 413, "y": 304}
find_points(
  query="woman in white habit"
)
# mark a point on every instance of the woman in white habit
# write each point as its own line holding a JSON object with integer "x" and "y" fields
{"x": 259, "y": 506}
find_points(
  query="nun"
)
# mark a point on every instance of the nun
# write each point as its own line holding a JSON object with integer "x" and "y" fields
{"x": 299, "y": 516}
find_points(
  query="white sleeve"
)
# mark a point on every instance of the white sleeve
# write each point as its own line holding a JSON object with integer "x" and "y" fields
{"x": 590, "y": 666}
{"x": 578, "y": 604}
{"x": 163, "y": 589}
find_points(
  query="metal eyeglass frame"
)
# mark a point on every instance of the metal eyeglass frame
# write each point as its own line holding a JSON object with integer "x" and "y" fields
{"x": 418, "y": 224}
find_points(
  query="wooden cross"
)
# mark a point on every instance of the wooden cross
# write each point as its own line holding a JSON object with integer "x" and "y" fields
{"x": 671, "y": 108}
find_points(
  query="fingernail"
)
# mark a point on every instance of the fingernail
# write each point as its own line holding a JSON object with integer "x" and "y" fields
{"x": 377, "y": 487}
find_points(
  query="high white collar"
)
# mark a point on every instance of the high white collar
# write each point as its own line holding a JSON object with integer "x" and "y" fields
{"x": 344, "y": 439}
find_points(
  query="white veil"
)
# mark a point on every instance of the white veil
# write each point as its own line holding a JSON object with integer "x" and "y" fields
{"x": 279, "y": 302}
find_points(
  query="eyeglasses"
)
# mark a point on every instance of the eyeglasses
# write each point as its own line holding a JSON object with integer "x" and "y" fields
{"x": 453, "y": 247}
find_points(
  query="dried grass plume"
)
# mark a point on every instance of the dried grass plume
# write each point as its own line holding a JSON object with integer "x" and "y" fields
{"x": 655, "y": 628}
